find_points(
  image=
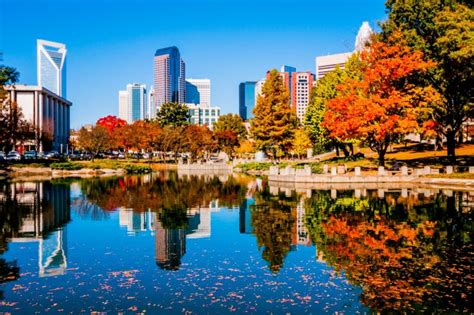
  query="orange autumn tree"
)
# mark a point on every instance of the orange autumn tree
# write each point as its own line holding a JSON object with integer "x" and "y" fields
{"x": 388, "y": 102}
{"x": 140, "y": 136}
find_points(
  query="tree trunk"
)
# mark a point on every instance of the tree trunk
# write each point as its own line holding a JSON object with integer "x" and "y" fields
{"x": 344, "y": 149}
{"x": 381, "y": 157}
{"x": 337, "y": 150}
{"x": 451, "y": 146}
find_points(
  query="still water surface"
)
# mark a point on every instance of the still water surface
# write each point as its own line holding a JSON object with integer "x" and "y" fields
{"x": 165, "y": 243}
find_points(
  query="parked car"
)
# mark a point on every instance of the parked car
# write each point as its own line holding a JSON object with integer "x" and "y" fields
{"x": 51, "y": 155}
{"x": 13, "y": 156}
{"x": 30, "y": 155}
{"x": 76, "y": 155}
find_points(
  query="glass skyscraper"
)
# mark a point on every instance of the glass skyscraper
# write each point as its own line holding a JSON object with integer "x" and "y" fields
{"x": 133, "y": 103}
{"x": 246, "y": 99}
{"x": 169, "y": 76}
{"x": 198, "y": 91}
{"x": 52, "y": 66}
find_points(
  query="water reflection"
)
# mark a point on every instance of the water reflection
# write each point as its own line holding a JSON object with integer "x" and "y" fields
{"x": 173, "y": 208}
{"x": 408, "y": 249}
{"x": 37, "y": 212}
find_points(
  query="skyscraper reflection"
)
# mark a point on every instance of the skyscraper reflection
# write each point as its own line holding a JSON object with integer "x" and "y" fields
{"x": 38, "y": 212}
{"x": 170, "y": 246}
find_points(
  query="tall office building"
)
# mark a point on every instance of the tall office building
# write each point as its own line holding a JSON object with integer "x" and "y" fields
{"x": 198, "y": 91}
{"x": 52, "y": 66}
{"x": 288, "y": 76}
{"x": 258, "y": 89}
{"x": 246, "y": 99}
{"x": 133, "y": 102}
{"x": 363, "y": 36}
{"x": 169, "y": 76}
{"x": 301, "y": 85}
{"x": 123, "y": 105}
{"x": 325, "y": 64}
{"x": 151, "y": 110}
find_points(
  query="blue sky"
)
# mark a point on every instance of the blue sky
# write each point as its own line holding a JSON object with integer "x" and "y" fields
{"x": 112, "y": 42}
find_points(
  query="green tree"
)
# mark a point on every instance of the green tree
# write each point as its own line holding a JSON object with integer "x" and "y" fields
{"x": 444, "y": 31}
{"x": 232, "y": 122}
{"x": 274, "y": 122}
{"x": 173, "y": 114}
{"x": 326, "y": 89}
{"x": 273, "y": 225}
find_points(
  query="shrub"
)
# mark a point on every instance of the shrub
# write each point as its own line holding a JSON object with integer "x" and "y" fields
{"x": 254, "y": 166}
{"x": 137, "y": 169}
{"x": 66, "y": 166}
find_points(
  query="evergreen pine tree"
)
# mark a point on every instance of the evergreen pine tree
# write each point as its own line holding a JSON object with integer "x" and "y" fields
{"x": 274, "y": 122}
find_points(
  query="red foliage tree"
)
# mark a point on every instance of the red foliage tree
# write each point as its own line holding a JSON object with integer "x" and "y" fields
{"x": 111, "y": 123}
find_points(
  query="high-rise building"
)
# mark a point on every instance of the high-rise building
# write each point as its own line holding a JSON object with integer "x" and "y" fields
{"x": 258, "y": 89}
{"x": 123, "y": 105}
{"x": 325, "y": 64}
{"x": 198, "y": 91}
{"x": 288, "y": 78}
{"x": 363, "y": 36}
{"x": 246, "y": 99}
{"x": 136, "y": 101}
{"x": 301, "y": 85}
{"x": 169, "y": 76}
{"x": 151, "y": 104}
{"x": 133, "y": 103}
{"x": 203, "y": 115}
{"x": 51, "y": 66}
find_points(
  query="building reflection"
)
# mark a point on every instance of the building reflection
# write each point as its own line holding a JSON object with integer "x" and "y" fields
{"x": 170, "y": 246}
{"x": 39, "y": 212}
{"x": 170, "y": 233}
{"x": 245, "y": 216}
{"x": 300, "y": 232}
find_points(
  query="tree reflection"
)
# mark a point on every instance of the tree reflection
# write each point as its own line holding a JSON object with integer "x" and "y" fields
{"x": 272, "y": 223}
{"x": 410, "y": 254}
{"x": 165, "y": 191}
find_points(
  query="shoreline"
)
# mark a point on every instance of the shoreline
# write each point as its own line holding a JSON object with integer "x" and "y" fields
{"x": 299, "y": 181}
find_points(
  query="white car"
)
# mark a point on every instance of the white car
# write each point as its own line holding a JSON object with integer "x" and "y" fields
{"x": 13, "y": 156}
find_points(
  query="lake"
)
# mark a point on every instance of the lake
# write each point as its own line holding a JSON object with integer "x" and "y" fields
{"x": 163, "y": 243}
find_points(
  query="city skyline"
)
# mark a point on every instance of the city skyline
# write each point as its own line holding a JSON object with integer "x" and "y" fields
{"x": 221, "y": 48}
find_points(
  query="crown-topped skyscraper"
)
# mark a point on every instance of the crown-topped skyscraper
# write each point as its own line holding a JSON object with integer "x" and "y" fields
{"x": 52, "y": 66}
